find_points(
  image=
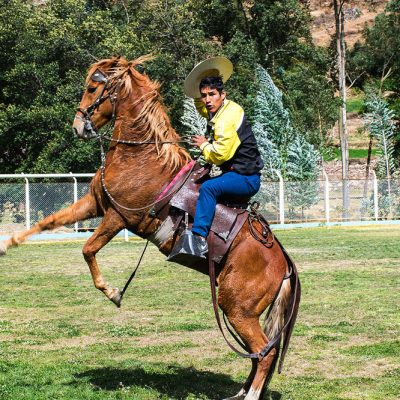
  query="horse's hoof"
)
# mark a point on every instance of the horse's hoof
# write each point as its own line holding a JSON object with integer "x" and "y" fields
{"x": 3, "y": 249}
{"x": 117, "y": 298}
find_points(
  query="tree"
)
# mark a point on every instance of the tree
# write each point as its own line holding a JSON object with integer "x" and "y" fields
{"x": 378, "y": 56}
{"x": 282, "y": 148}
{"x": 376, "y": 61}
{"x": 194, "y": 124}
{"x": 270, "y": 112}
{"x": 281, "y": 31}
{"x": 302, "y": 172}
{"x": 275, "y": 132}
{"x": 50, "y": 46}
{"x": 342, "y": 125}
{"x": 380, "y": 122}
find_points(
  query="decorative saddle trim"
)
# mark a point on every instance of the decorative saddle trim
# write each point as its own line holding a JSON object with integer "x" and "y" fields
{"x": 177, "y": 177}
{"x": 180, "y": 197}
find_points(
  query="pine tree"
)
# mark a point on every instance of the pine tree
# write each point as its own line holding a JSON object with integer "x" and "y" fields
{"x": 302, "y": 172}
{"x": 302, "y": 160}
{"x": 380, "y": 122}
{"x": 270, "y": 112}
{"x": 268, "y": 149}
{"x": 282, "y": 148}
{"x": 275, "y": 133}
{"x": 194, "y": 124}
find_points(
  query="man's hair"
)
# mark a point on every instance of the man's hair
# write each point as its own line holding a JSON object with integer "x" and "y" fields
{"x": 213, "y": 82}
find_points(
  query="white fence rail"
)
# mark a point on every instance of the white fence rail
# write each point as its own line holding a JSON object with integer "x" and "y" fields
{"x": 27, "y": 198}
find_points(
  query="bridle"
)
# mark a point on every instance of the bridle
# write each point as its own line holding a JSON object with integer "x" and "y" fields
{"x": 111, "y": 86}
{"x": 109, "y": 91}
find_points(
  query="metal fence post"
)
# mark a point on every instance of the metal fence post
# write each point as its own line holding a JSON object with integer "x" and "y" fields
{"x": 376, "y": 205}
{"x": 281, "y": 199}
{"x": 75, "y": 197}
{"x": 27, "y": 205}
{"x": 326, "y": 195}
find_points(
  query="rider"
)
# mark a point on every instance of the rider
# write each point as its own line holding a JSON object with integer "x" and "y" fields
{"x": 231, "y": 146}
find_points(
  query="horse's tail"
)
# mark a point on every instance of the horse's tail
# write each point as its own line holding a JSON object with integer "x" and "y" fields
{"x": 281, "y": 316}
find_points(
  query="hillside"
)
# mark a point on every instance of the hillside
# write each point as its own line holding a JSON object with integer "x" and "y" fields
{"x": 358, "y": 14}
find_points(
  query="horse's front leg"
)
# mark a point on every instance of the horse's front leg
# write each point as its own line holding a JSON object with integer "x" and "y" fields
{"x": 111, "y": 224}
{"x": 83, "y": 209}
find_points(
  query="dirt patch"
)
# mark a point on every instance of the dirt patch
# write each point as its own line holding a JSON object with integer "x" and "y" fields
{"x": 330, "y": 363}
{"x": 358, "y": 14}
{"x": 64, "y": 343}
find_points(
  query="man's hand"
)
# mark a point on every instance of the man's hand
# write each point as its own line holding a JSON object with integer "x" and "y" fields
{"x": 198, "y": 140}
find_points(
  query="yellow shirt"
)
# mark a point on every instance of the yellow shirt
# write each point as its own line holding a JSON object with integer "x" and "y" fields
{"x": 224, "y": 125}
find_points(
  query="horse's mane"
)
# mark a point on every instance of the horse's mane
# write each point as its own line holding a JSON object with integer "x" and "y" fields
{"x": 152, "y": 122}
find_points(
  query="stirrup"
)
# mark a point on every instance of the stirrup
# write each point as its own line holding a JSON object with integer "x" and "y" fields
{"x": 189, "y": 249}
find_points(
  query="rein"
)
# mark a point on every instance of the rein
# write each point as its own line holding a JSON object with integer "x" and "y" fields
{"x": 158, "y": 200}
{"x": 112, "y": 95}
{"x": 274, "y": 341}
{"x": 112, "y": 87}
{"x": 133, "y": 273}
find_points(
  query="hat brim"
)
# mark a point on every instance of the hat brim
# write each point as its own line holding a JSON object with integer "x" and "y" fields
{"x": 215, "y": 66}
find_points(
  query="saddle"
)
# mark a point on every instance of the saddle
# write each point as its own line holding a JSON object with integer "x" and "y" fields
{"x": 176, "y": 207}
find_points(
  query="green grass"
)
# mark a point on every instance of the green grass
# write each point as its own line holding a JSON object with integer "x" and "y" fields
{"x": 361, "y": 153}
{"x": 62, "y": 339}
{"x": 335, "y": 154}
{"x": 355, "y": 104}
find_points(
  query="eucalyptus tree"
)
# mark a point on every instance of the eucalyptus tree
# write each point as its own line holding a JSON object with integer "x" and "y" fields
{"x": 285, "y": 151}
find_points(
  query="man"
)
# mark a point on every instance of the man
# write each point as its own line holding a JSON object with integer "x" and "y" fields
{"x": 231, "y": 146}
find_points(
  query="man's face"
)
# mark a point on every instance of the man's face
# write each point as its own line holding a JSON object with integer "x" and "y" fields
{"x": 212, "y": 99}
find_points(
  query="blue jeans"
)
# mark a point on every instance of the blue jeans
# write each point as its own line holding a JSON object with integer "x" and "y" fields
{"x": 226, "y": 185}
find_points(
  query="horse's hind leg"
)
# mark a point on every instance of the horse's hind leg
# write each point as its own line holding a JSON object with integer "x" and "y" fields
{"x": 250, "y": 331}
{"x": 83, "y": 209}
{"x": 247, "y": 285}
{"x": 111, "y": 224}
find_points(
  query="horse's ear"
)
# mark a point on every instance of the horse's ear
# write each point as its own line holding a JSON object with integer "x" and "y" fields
{"x": 132, "y": 65}
{"x": 141, "y": 68}
{"x": 116, "y": 60}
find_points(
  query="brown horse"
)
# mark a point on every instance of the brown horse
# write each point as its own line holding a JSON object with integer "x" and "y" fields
{"x": 252, "y": 275}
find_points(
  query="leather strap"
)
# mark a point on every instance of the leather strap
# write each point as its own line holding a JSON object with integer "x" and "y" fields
{"x": 134, "y": 271}
{"x": 273, "y": 342}
{"x": 211, "y": 270}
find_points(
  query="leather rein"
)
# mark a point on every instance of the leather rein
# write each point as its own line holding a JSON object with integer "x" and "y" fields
{"x": 262, "y": 237}
{"x": 110, "y": 92}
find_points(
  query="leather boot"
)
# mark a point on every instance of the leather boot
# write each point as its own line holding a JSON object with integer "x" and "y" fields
{"x": 189, "y": 248}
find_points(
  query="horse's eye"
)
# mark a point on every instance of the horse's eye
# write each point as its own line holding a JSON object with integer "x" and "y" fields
{"x": 91, "y": 89}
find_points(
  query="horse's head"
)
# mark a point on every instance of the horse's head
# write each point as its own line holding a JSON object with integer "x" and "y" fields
{"x": 107, "y": 82}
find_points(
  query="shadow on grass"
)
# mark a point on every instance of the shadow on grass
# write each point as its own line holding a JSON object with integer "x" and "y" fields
{"x": 175, "y": 383}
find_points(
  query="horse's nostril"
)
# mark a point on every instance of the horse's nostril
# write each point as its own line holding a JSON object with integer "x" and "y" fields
{"x": 75, "y": 131}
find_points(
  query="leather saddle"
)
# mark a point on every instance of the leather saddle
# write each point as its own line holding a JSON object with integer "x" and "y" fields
{"x": 177, "y": 208}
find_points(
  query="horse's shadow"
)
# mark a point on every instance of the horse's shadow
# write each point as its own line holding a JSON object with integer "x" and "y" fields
{"x": 177, "y": 383}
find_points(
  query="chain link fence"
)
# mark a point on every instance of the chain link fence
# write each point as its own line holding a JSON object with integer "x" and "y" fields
{"x": 26, "y": 199}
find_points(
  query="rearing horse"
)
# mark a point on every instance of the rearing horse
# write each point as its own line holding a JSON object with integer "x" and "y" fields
{"x": 144, "y": 155}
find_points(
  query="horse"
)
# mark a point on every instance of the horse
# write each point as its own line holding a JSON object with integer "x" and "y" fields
{"x": 144, "y": 155}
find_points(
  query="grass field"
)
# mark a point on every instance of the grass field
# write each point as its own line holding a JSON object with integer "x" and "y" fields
{"x": 336, "y": 153}
{"x": 60, "y": 338}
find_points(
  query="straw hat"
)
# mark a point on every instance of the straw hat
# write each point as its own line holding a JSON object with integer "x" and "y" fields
{"x": 215, "y": 66}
